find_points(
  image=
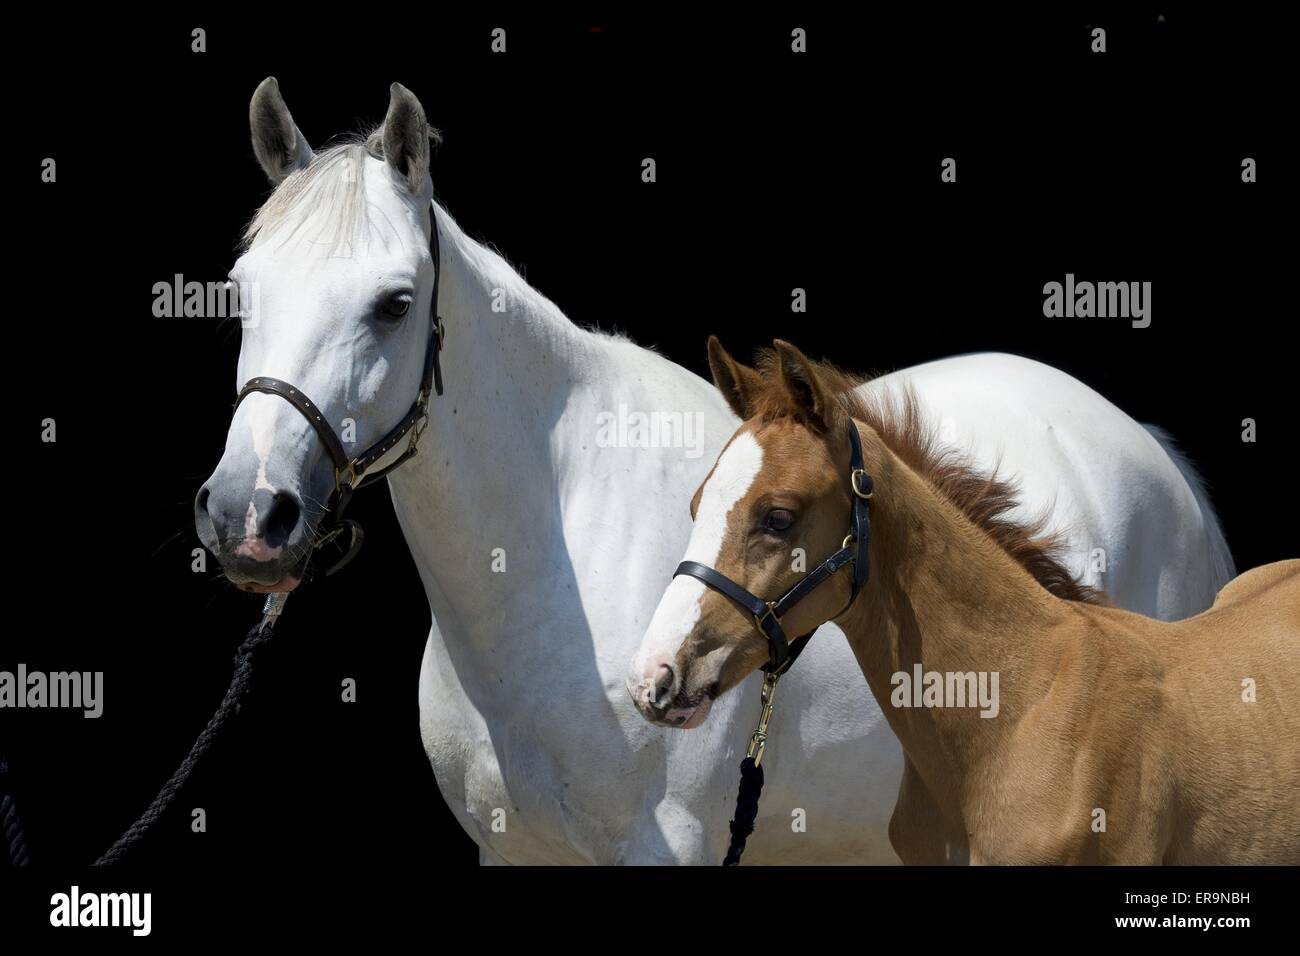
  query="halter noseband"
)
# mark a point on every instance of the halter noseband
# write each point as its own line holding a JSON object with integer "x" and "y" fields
{"x": 351, "y": 473}
{"x": 767, "y": 615}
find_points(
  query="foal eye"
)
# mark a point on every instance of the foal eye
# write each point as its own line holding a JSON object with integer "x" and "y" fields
{"x": 397, "y": 305}
{"x": 778, "y": 519}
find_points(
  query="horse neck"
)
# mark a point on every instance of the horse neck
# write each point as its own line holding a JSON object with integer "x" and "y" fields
{"x": 486, "y": 476}
{"x": 944, "y": 595}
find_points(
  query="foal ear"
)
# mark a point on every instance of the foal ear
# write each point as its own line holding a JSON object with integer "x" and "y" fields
{"x": 278, "y": 144}
{"x": 803, "y": 384}
{"x": 737, "y": 383}
{"x": 406, "y": 137}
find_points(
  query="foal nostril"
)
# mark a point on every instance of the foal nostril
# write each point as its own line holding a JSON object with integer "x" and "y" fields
{"x": 663, "y": 683}
{"x": 281, "y": 520}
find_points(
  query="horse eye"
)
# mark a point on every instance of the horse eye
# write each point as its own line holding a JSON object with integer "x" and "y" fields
{"x": 397, "y": 305}
{"x": 778, "y": 519}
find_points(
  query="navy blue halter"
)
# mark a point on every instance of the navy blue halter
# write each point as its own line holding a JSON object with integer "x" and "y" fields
{"x": 767, "y": 615}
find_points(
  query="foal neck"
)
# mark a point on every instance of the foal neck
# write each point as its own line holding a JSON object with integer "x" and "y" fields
{"x": 943, "y": 598}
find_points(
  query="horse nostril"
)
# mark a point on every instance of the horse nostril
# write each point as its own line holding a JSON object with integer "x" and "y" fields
{"x": 203, "y": 523}
{"x": 662, "y": 684}
{"x": 282, "y": 520}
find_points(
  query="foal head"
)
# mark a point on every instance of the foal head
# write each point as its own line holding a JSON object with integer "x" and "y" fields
{"x": 341, "y": 275}
{"x": 777, "y": 503}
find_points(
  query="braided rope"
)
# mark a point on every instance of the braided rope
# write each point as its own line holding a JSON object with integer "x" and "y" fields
{"x": 230, "y": 705}
{"x": 10, "y": 822}
{"x": 751, "y": 788}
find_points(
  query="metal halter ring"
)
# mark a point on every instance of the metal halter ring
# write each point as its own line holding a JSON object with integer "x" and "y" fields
{"x": 859, "y": 474}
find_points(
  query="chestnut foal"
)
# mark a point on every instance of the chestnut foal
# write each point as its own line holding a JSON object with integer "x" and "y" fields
{"x": 1045, "y": 726}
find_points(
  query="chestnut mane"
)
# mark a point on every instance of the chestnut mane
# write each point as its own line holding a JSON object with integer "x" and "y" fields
{"x": 984, "y": 498}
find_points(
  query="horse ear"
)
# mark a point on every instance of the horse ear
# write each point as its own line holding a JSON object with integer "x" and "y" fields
{"x": 278, "y": 144}
{"x": 803, "y": 384}
{"x": 406, "y": 137}
{"x": 737, "y": 383}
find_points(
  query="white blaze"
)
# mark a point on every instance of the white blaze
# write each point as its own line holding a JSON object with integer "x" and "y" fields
{"x": 263, "y": 427}
{"x": 679, "y": 610}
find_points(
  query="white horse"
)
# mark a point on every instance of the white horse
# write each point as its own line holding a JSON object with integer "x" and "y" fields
{"x": 544, "y": 530}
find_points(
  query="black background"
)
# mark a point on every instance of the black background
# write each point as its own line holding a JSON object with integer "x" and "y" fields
{"x": 774, "y": 171}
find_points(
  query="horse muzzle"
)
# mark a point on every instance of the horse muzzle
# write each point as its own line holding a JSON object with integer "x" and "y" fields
{"x": 262, "y": 541}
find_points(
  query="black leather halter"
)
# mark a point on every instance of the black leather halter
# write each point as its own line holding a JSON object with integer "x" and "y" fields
{"x": 351, "y": 473}
{"x": 767, "y": 615}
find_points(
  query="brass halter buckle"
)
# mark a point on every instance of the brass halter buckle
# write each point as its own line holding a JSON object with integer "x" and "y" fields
{"x": 758, "y": 740}
{"x": 854, "y": 477}
{"x": 348, "y": 475}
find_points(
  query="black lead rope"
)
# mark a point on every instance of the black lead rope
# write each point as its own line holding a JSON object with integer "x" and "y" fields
{"x": 751, "y": 788}
{"x": 783, "y": 652}
{"x": 10, "y": 822}
{"x": 230, "y": 705}
{"x": 240, "y": 684}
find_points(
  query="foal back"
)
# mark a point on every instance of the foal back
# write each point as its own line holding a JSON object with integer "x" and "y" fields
{"x": 1233, "y": 681}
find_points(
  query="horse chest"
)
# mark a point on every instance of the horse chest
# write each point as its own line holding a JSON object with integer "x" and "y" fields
{"x": 515, "y": 788}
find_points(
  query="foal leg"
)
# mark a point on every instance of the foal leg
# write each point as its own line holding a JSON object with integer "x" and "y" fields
{"x": 918, "y": 831}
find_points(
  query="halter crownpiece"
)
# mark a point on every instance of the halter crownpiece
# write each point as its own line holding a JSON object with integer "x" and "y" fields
{"x": 854, "y": 550}
{"x": 352, "y": 473}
